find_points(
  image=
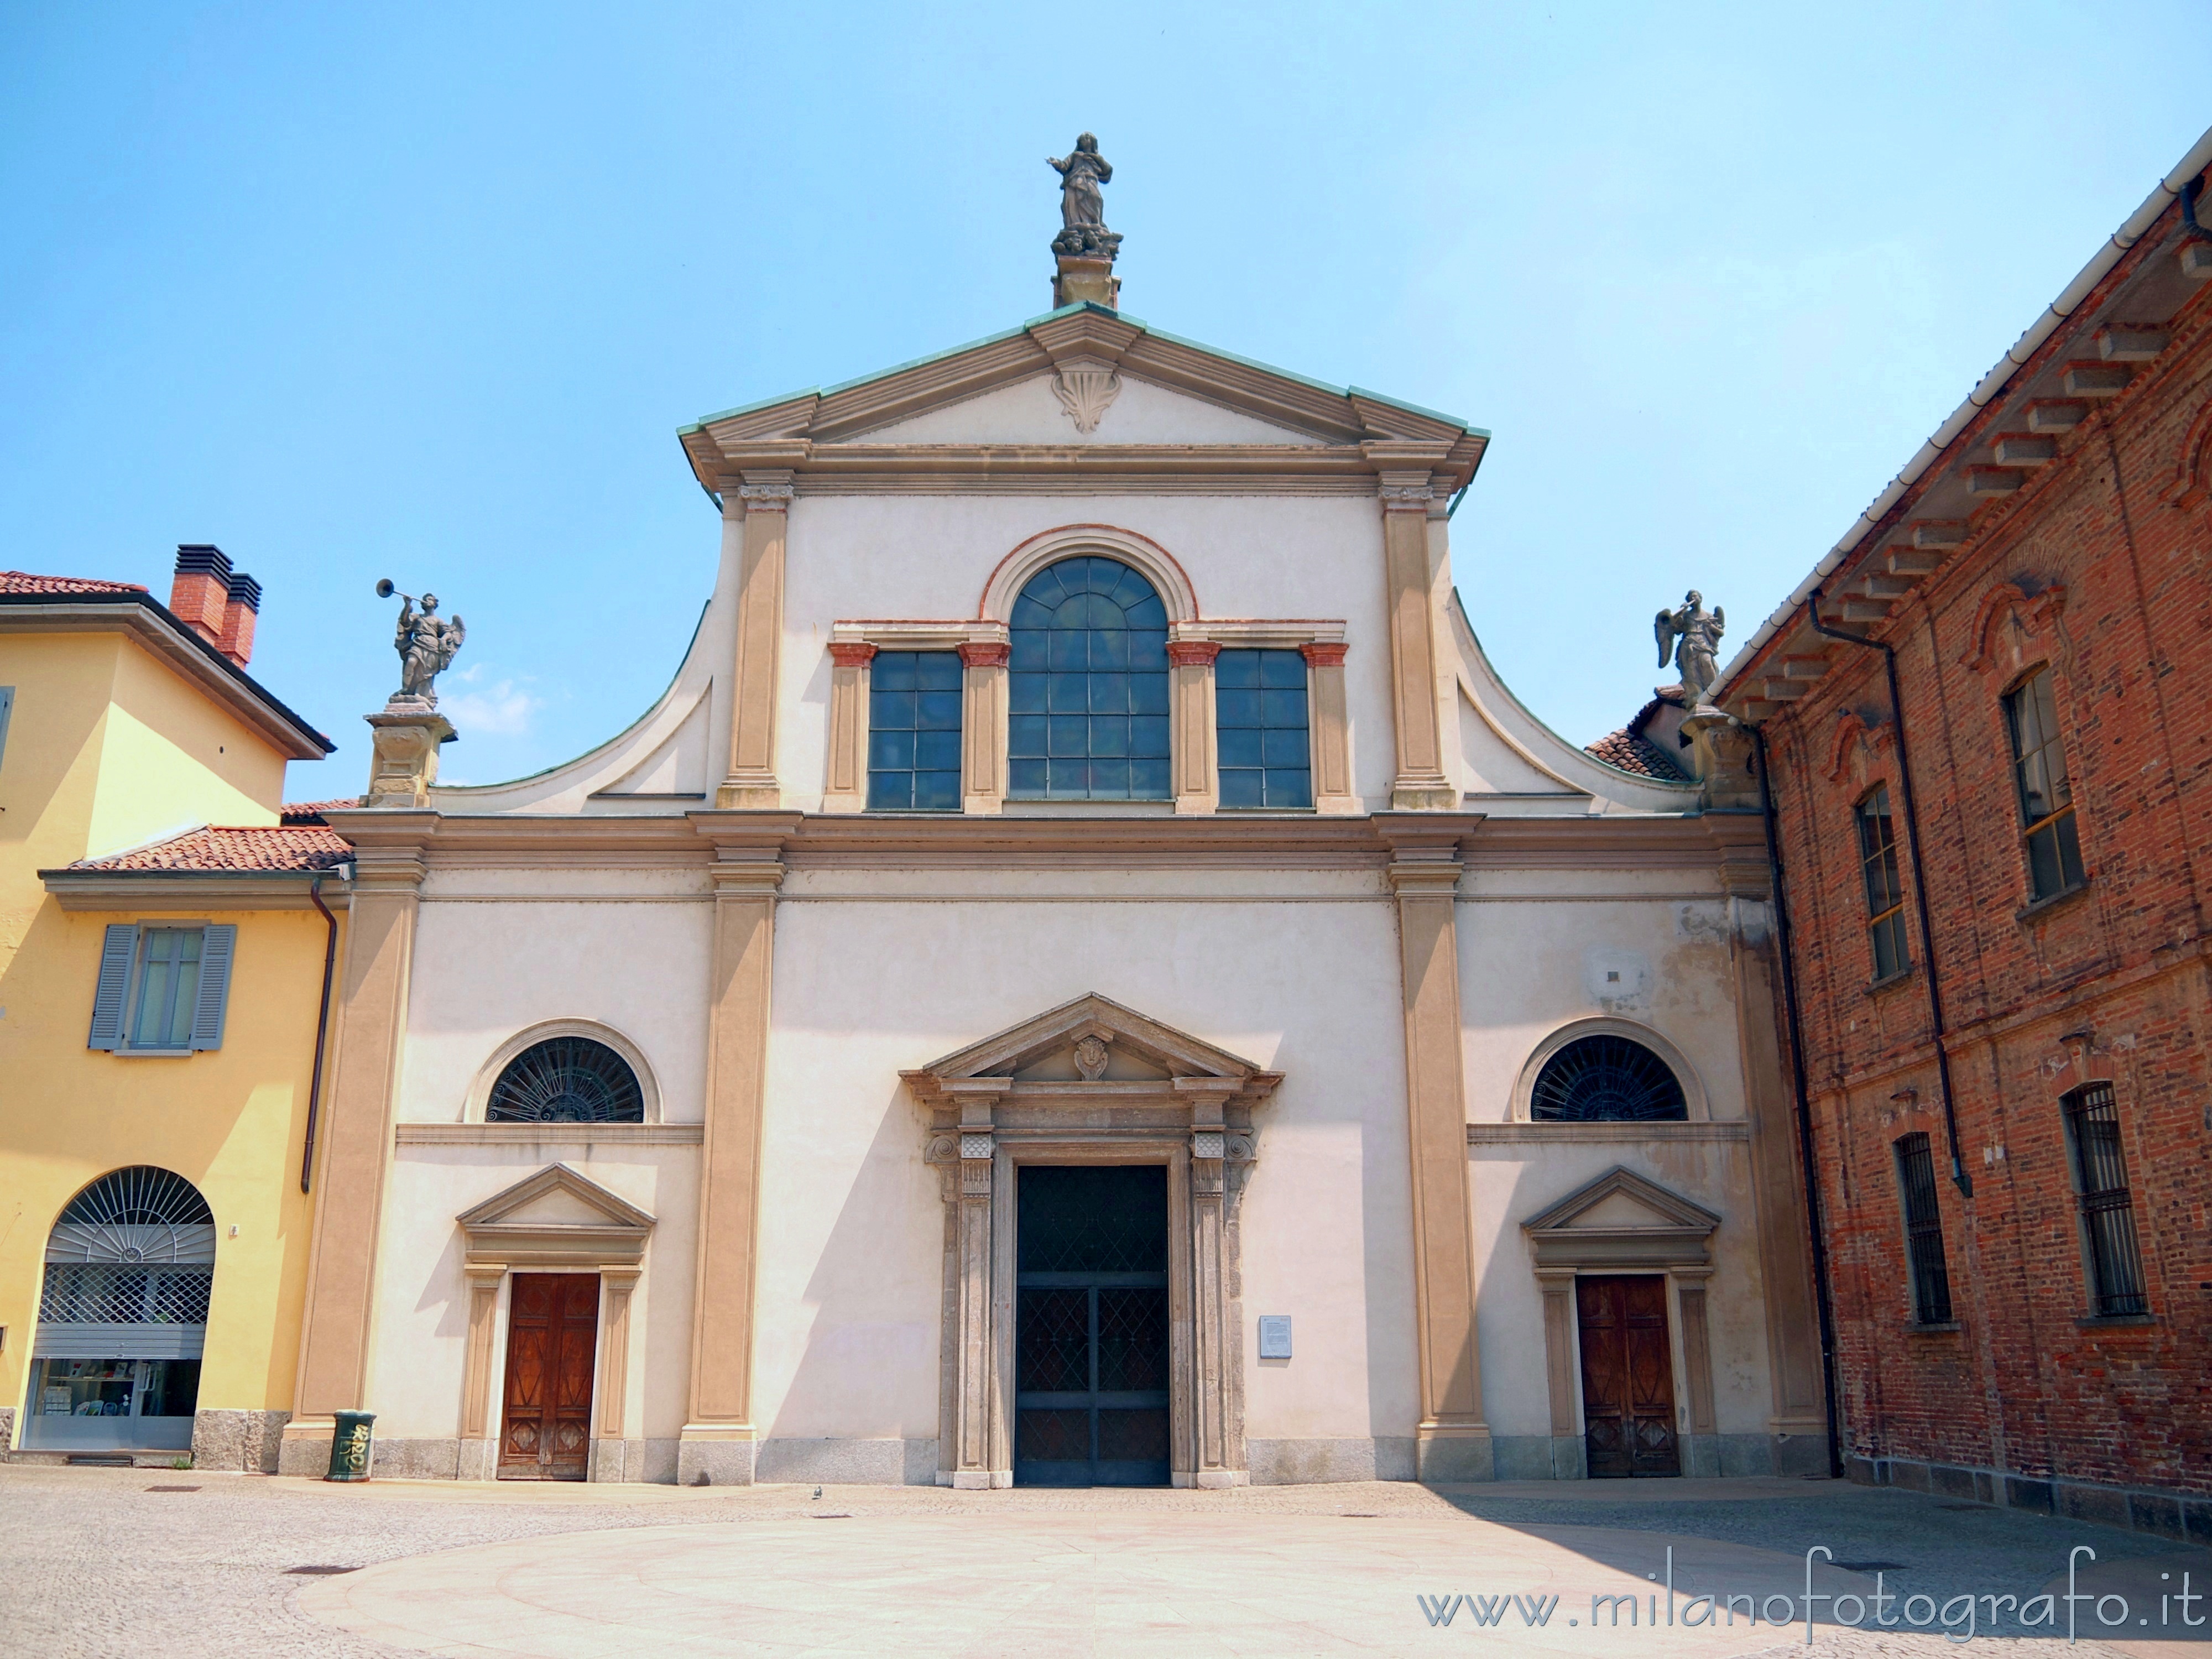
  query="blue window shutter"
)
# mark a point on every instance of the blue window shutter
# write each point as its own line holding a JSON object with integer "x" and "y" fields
{"x": 217, "y": 944}
{"x": 116, "y": 957}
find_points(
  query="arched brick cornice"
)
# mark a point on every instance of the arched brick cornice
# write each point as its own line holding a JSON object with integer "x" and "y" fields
{"x": 2032, "y": 613}
{"x": 2192, "y": 476}
{"x": 1854, "y": 731}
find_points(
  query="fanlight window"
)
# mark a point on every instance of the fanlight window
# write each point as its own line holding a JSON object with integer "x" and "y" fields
{"x": 135, "y": 1248}
{"x": 1087, "y": 686}
{"x": 1607, "y": 1080}
{"x": 567, "y": 1080}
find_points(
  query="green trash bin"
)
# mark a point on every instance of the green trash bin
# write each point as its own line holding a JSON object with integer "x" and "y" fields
{"x": 349, "y": 1446}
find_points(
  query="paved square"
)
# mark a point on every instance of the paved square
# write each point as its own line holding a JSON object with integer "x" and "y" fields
{"x": 116, "y": 1562}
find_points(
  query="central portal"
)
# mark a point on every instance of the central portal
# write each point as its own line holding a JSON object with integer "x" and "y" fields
{"x": 1090, "y": 1359}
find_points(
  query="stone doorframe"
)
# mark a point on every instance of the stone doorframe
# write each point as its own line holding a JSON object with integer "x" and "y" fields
{"x": 534, "y": 1226}
{"x": 1563, "y": 1241}
{"x": 1091, "y": 1082}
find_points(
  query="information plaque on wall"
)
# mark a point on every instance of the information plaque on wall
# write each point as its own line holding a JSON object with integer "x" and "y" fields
{"x": 1275, "y": 1336}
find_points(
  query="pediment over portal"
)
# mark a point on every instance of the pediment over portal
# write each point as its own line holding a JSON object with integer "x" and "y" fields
{"x": 1621, "y": 1222}
{"x": 556, "y": 1217}
{"x": 1092, "y": 1045}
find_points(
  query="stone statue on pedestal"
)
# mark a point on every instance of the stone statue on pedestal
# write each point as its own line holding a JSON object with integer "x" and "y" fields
{"x": 426, "y": 641}
{"x": 1690, "y": 634}
{"x": 1082, "y": 208}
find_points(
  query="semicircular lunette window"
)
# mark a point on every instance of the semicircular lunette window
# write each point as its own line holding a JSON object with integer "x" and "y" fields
{"x": 567, "y": 1080}
{"x": 1607, "y": 1080}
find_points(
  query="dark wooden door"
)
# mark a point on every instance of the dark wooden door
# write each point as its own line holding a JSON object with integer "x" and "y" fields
{"x": 552, "y": 1328}
{"x": 1628, "y": 1376}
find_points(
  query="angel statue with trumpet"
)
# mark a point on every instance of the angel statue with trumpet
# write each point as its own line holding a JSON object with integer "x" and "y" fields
{"x": 426, "y": 641}
{"x": 1689, "y": 633}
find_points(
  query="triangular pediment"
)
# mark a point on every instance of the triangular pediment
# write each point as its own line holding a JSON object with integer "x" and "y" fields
{"x": 1621, "y": 1201}
{"x": 1178, "y": 394}
{"x": 1063, "y": 1045}
{"x": 555, "y": 1198}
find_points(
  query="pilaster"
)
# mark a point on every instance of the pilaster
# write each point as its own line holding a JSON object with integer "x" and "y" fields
{"x": 368, "y": 1031}
{"x": 1190, "y": 665}
{"x": 1216, "y": 1402}
{"x": 983, "y": 1458}
{"x": 845, "y": 787}
{"x": 479, "y": 1452}
{"x": 718, "y": 1432}
{"x": 1453, "y": 1439}
{"x": 1332, "y": 729}
{"x": 983, "y": 725}
{"x": 764, "y": 499}
{"x": 1420, "y": 785}
{"x": 618, "y": 1286}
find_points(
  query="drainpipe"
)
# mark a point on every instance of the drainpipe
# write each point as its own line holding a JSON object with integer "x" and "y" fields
{"x": 322, "y": 1029}
{"x": 1959, "y": 1178}
{"x": 1823, "y": 1297}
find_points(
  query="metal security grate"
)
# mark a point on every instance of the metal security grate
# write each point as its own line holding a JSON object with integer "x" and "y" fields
{"x": 1923, "y": 1230}
{"x": 567, "y": 1079}
{"x": 2108, "y": 1216}
{"x": 1607, "y": 1080}
{"x": 84, "y": 1293}
{"x": 139, "y": 1216}
{"x": 1091, "y": 1220}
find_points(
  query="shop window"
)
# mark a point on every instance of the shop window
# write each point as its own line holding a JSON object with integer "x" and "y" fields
{"x": 1087, "y": 686}
{"x": 2108, "y": 1216}
{"x": 914, "y": 731}
{"x": 1923, "y": 1230}
{"x": 1885, "y": 891}
{"x": 2046, "y": 797}
{"x": 162, "y": 989}
{"x": 1265, "y": 753}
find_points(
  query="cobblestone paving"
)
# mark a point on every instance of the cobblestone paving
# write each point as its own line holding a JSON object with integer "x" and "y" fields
{"x": 104, "y": 1562}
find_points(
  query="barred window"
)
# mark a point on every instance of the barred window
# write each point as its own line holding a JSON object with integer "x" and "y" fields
{"x": 1923, "y": 1230}
{"x": 1607, "y": 1080}
{"x": 914, "y": 731}
{"x": 567, "y": 1080}
{"x": 2046, "y": 797}
{"x": 2108, "y": 1216}
{"x": 1885, "y": 891}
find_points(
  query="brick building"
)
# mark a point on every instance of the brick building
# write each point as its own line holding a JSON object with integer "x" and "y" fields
{"x": 1992, "y": 804}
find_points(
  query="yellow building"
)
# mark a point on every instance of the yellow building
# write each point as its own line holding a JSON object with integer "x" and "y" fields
{"x": 165, "y": 923}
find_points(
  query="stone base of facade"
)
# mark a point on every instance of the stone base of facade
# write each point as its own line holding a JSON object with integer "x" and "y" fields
{"x": 1319, "y": 1462}
{"x": 303, "y": 1455}
{"x": 1452, "y": 1459}
{"x": 244, "y": 1440}
{"x": 2187, "y": 1516}
{"x": 847, "y": 1463}
{"x": 715, "y": 1462}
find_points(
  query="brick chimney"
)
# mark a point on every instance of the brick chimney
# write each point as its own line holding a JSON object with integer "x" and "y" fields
{"x": 217, "y": 603}
{"x": 237, "y": 640}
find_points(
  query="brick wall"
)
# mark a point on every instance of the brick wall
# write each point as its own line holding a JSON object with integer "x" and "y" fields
{"x": 2099, "y": 567}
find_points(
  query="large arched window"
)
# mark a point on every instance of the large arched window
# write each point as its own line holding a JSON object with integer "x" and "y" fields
{"x": 566, "y": 1079}
{"x": 1606, "y": 1079}
{"x": 1088, "y": 686}
{"x": 122, "y": 1315}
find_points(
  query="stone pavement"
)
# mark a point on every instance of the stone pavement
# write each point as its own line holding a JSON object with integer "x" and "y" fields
{"x": 97, "y": 1562}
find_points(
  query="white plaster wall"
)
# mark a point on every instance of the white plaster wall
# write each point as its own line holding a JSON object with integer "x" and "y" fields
{"x": 1533, "y": 956}
{"x": 1028, "y": 412}
{"x": 925, "y": 557}
{"x": 1508, "y": 1184}
{"x": 422, "y": 1302}
{"x": 851, "y": 1223}
{"x": 490, "y": 962}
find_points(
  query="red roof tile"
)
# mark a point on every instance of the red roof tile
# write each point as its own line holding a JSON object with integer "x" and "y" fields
{"x": 23, "y": 581}
{"x": 311, "y": 812}
{"x": 282, "y": 848}
{"x": 1624, "y": 748}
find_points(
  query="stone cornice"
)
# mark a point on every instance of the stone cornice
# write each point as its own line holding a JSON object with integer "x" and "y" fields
{"x": 196, "y": 889}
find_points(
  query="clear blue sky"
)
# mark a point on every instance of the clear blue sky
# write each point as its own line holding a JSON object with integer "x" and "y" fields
{"x": 425, "y": 292}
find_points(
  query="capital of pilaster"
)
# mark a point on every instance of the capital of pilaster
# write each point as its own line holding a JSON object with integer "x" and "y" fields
{"x": 985, "y": 654}
{"x": 768, "y": 491}
{"x": 1405, "y": 492}
{"x": 852, "y": 654}
{"x": 1193, "y": 653}
{"x": 1324, "y": 654}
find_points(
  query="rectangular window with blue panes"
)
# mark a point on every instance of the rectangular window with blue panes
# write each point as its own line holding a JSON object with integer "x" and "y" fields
{"x": 1265, "y": 753}
{"x": 914, "y": 731}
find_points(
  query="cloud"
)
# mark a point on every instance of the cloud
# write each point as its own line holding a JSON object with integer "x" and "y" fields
{"x": 499, "y": 708}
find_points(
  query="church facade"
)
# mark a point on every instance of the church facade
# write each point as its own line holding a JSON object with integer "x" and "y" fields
{"x": 1087, "y": 976}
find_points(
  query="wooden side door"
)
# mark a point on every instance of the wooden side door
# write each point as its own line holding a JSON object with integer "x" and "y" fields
{"x": 1628, "y": 1376}
{"x": 552, "y": 1332}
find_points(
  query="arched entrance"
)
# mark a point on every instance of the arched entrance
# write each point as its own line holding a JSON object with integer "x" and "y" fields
{"x": 123, "y": 1316}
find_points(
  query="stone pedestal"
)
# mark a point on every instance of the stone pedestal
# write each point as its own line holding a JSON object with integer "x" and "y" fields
{"x": 1720, "y": 755}
{"x": 1088, "y": 277}
{"x": 408, "y": 735}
